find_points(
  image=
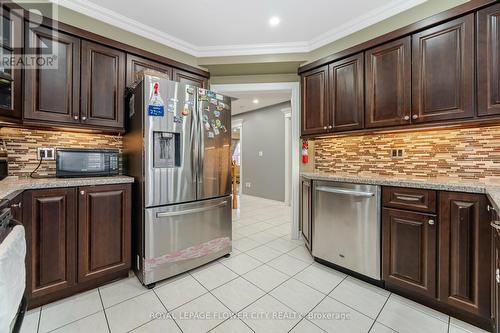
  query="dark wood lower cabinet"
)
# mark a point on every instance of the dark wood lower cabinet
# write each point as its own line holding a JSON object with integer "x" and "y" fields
{"x": 495, "y": 281}
{"x": 443, "y": 260}
{"x": 75, "y": 241}
{"x": 50, "y": 220}
{"x": 103, "y": 230}
{"x": 409, "y": 251}
{"x": 464, "y": 252}
{"x": 305, "y": 212}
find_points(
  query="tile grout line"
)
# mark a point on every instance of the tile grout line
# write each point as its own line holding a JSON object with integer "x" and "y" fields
{"x": 380, "y": 311}
{"x": 103, "y": 309}
{"x": 168, "y": 312}
{"x": 39, "y": 319}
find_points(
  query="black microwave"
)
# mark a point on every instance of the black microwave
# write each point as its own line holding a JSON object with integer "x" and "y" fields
{"x": 72, "y": 162}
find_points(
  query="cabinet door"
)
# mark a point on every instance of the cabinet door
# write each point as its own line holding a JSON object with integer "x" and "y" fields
{"x": 103, "y": 230}
{"x": 465, "y": 252}
{"x": 495, "y": 296}
{"x": 443, "y": 71}
{"x": 189, "y": 78}
{"x": 388, "y": 84}
{"x": 16, "y": 208}
{"x": 315, "y": 116}
{"x": 305, "y": 213}
{"x": 49, "y": 217}
{"x": 53, "y": 94}
{"x": 488, "y": 61}
{"x": 10, "y": 77}
{"x": 103, "y": 86}
{"x": 137, "y": 64}
{"x": 346, "y": 94}
{"x": 409, "y": 255}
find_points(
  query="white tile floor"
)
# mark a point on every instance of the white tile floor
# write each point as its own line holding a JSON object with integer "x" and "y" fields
{"x": 267, "y": 284}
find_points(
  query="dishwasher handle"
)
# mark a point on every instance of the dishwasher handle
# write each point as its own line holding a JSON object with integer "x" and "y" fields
{"x": 338, "y": 190}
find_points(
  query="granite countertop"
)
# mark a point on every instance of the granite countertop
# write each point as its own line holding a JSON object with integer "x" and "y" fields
{"x": 490, "y": 187}
{"x": 11, "y": 186}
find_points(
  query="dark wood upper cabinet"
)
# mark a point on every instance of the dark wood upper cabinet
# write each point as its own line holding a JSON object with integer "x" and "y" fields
{"x": 50, "y": 220}
{"x": 346, "y": 93}
{"x": 103, "y": 230}
{"x": 11, "y": 44}
{"x": 388, "y": 84}
{"x": 443, "y": 71}
{"x": 315, "y": 114}
{"x": 103, "y": 86}
{"x": 488, "y": 61}
{"x": 409, "y": 251}
{"x": 52, "y": 94}
{"x": 189, "y": 78}
{"x": 137, "y": 64}
{"x": 465, "y": 252}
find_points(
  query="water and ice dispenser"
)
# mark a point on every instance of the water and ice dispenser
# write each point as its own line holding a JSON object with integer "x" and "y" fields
{"x": 166, "y": 153}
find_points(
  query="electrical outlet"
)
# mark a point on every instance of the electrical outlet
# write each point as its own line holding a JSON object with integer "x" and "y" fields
{"x": 397, "y": 153}
{"x": 248, "y": 184}
{"x": 45, "y": 154}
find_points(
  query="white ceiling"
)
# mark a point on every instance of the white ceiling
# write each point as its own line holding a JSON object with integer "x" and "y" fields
{"x": 244, "y": 100}
{"x": 237, "y": 27}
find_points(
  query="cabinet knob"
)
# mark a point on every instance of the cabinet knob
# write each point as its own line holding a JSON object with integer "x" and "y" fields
{"x": 84, "y": 118}
{"x": 415, "y": 116}
{"x": 82, "y": 192}
{"x": 17, "y": 205}
{"x": 431, "y": 222}
{"x": 75, "y": 117}
{"x": 406, "y": 118}
{"x": 326, "y": 127}
{"x": 330, "y": 127}
{"x": 490, "y": 208}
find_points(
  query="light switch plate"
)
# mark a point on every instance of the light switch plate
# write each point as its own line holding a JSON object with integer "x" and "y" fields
{"x": 261, "y": 153}
{"x": 248, "y": 184}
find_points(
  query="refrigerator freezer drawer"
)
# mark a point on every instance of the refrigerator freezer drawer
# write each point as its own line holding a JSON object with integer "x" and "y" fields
{"x": 183, "y": 237}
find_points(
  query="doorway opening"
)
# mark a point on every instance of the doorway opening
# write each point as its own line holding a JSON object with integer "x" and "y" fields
{"x": 265, "y": 145}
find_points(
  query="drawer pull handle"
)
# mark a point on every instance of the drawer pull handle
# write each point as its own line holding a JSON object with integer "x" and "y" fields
{"x": 431, "y": 222}
{"x": 404, "y": 198}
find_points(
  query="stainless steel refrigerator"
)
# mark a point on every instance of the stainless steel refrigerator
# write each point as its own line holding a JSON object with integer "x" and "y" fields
{"x": 178, "y": 148}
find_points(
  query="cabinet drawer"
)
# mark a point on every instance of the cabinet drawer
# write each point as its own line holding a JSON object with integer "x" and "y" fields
{"x": 409, "y": 198}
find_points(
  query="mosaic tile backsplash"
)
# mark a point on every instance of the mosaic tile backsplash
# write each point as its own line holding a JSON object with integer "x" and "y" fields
{"x": 22, "y": 143}
{"x": 466, "y": 153}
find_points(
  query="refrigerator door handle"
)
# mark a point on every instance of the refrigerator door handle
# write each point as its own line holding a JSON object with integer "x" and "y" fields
{"x": 190, "y": 211}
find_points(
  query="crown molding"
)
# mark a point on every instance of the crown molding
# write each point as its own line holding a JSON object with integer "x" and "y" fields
{"x": 111, "y": 17}
{"x": 363, "y": 21}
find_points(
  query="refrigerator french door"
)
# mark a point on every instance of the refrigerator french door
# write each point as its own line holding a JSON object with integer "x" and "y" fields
{"x": 178, "y": 149}
{"x": 214, "y": 172}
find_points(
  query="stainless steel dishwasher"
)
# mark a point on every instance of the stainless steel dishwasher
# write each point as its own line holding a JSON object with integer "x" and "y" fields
{"x": 347, "y": 226}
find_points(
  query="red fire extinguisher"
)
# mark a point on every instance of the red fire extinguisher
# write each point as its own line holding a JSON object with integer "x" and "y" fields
{"x": 305, "y": 152}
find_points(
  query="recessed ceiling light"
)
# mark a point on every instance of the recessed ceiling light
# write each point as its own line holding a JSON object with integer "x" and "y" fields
{"x": 255, "y": 101}
{"x": 274, "y": 21}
